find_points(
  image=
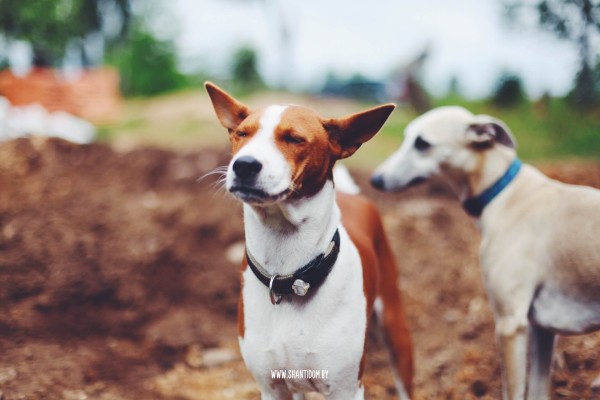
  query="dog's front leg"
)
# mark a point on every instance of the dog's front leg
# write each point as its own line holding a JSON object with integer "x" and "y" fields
{"x": 541, "y": 345}
{"x": 511, "y": 335}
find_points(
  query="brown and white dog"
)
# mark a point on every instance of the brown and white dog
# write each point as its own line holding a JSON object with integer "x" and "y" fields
{"x": 317, "y": 262}
{"x": 540, "y": 248}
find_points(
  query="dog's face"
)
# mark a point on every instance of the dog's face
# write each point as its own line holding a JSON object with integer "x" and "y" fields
{"x": 283, "y": 152}
{"x": 444, "y": 140}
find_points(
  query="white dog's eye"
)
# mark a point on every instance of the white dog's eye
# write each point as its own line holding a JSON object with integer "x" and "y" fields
{"x": 422, "y": 144}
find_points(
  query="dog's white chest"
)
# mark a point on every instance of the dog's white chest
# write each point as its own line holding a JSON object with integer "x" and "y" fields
{"x": 325, "y": 333}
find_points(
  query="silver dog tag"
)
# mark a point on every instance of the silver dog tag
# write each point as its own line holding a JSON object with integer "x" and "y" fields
{"x": 275, "y": 298}
{"x": 300, "y": 287}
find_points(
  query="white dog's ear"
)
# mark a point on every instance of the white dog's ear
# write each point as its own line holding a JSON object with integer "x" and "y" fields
{"x": 230, "y": 112}
{"x": 347, "y": 134}
{"x": 486, "y": 130}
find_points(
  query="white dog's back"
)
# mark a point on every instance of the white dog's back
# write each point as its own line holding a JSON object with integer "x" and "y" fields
{"x": 343, "y": 180}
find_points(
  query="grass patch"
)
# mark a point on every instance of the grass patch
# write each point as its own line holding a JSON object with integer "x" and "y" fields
{"x": 545, "y": 131}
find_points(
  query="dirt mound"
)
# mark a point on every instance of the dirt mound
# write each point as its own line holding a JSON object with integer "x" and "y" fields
{"x": 96, "y": 244}
{"x": 115, "y": 282}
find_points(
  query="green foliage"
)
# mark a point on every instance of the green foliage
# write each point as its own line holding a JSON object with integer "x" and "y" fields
{"x": 45, "y": 23}
{"x": 509, "y": 91}
{"x": 50, "y": 24}
{"x": 244, "y": 69}
{"x": 586, "y": 91}
{"x": 148, "y": 66}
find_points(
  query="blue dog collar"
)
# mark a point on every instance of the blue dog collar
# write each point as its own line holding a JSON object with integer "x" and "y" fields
{"x": 475, "y": 205}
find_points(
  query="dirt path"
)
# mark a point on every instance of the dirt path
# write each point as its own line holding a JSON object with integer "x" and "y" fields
{"x": 115, "y": 282}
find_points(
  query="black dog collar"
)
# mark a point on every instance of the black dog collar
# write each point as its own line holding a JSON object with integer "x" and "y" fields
{"x": 311, "y": 276}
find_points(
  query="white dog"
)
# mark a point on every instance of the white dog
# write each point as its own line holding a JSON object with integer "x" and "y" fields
{"x": 540, "y": 249}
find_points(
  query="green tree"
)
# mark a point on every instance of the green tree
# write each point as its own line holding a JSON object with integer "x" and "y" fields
{"x": 577, "y": 21}
{"x": 245, "y": 71}
{"x": 147, "y": 65}
{"x": 509, "y": 90}
{"x": 49, "y": 25}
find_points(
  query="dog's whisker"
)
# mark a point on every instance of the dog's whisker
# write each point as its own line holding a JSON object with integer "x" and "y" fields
{"x": 219, "y": 190}
{"x": 219, "y": 183}
{"x": 220, "y": 170}
{"x": 294, "y": 188}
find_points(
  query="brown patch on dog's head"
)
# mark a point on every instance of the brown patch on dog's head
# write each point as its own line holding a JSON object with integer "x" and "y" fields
{"x": 312, "y": 144}
{"x": 244, "y": 131}
{"x": 304, "y": 143}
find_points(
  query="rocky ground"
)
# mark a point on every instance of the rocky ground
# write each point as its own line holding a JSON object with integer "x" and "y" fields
{"x": 118, "y": 281}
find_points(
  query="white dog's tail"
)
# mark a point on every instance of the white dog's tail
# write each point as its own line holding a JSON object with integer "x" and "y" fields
{"x": 343, "y": 180}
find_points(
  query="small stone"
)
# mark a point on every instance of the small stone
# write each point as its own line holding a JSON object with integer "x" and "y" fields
{"x": 216, "y": 357}
{"x": 74, "y": 395}
{"x": 193, "y": 357}
{"x": 7, "y": 374}
{"x": 596, "y": 385}
{"x": 150, "y": 200}
{"x": 235, "y": 252}
{"x": 479, "y": 388}
{"x": 9, "y": 231}
{"x": 476, "y": 305}
{"x": 452, "y": 315}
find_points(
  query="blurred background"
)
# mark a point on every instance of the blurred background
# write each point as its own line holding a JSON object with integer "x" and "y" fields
{"x": 532, "y": 62}
{"x": 119, "y": 267}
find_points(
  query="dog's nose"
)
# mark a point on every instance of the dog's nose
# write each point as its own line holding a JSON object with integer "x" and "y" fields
{"x": 378, "y": 182}
{"x": 247, "y": 167}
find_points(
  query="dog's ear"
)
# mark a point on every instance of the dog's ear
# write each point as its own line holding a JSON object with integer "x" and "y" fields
{"x": 229, "y": 111}
{"x": 486, "y": 131}
{"x": 348, "y": 133}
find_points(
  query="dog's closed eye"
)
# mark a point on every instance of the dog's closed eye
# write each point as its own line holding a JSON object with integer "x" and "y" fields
{"x": 293, "y": 139}
{"x": 422, "y": 144}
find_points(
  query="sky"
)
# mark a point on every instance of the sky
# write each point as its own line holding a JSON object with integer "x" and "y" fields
{"x": 466, "y": 39}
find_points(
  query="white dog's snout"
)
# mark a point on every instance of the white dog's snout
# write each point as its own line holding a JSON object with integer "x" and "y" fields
{"x": 259, "y": 164}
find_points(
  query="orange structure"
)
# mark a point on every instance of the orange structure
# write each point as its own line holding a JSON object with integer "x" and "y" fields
{"x": 93, "y": 95}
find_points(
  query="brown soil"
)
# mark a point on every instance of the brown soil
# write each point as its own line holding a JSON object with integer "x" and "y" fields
{"x": 117, "y": 281}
